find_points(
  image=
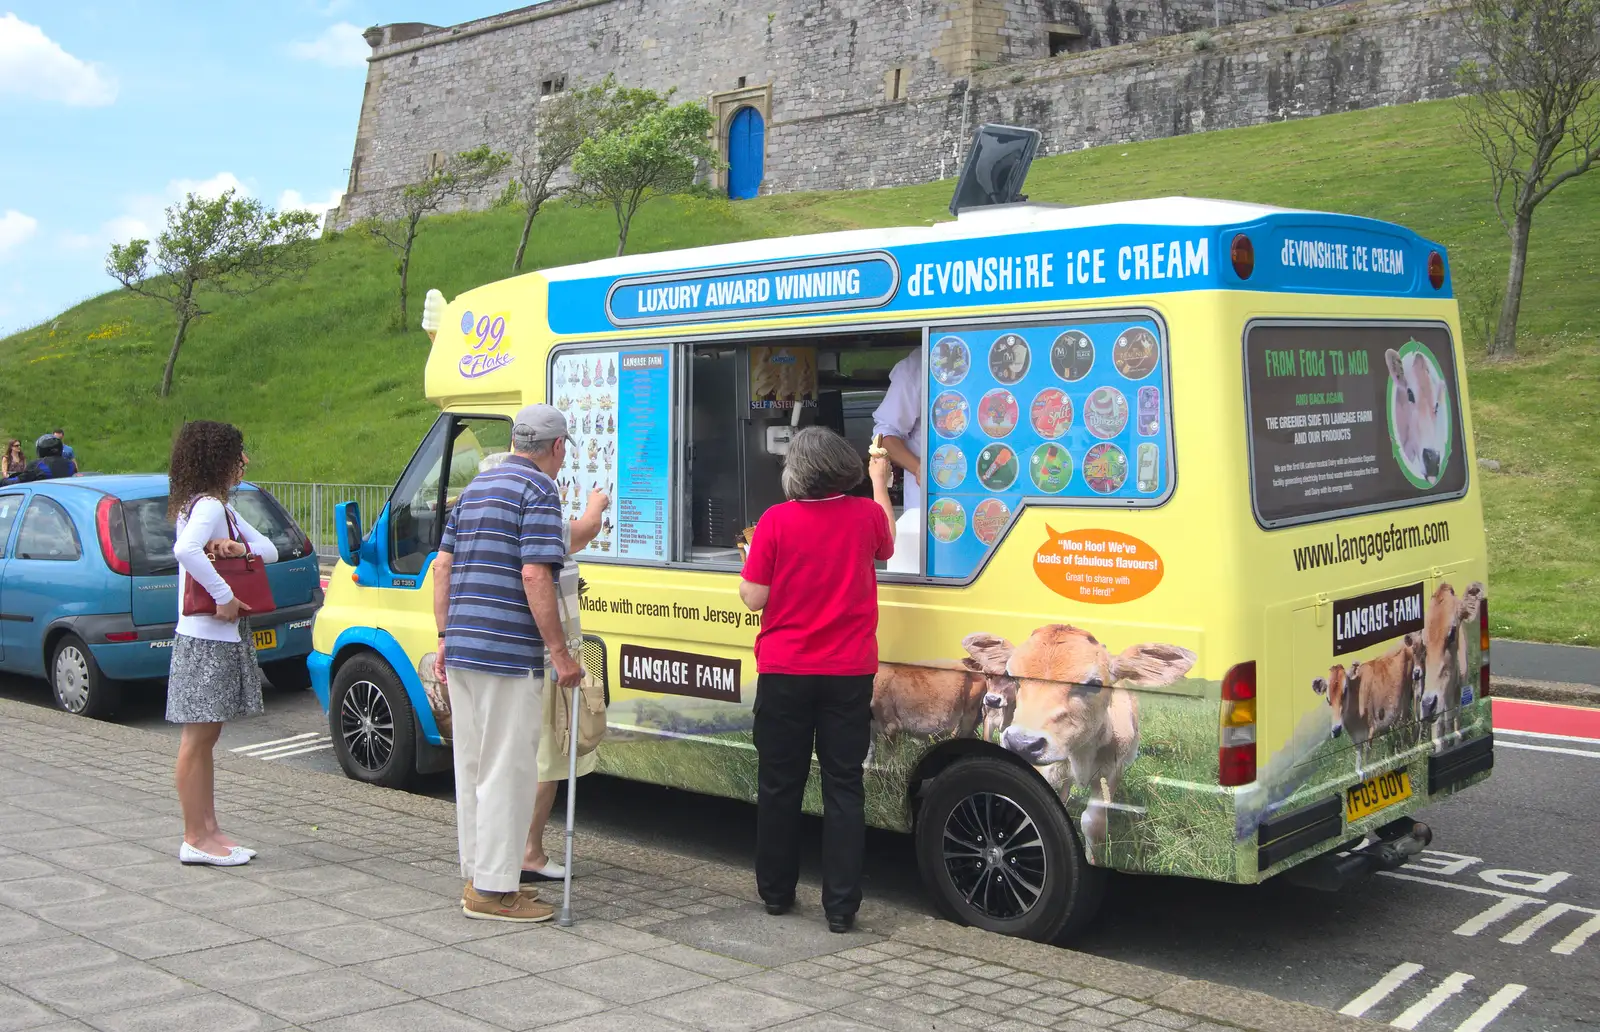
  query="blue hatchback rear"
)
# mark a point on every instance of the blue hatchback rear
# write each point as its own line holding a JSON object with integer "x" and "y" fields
{"x": 89, "y": 587}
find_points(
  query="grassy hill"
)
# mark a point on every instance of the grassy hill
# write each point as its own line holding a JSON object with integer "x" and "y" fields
{"x": 326, "y": 390}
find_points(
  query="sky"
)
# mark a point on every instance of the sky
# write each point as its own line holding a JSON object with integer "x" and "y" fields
{"x": 111, "y": 111}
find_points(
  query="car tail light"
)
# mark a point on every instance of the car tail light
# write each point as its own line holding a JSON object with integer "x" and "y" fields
{"x": 1483, "y": 644}
{"x": 122, "y": 636}
{"x": 1243, "y": 253}
{"x": 113, "y": 540}
{"x": 1436, "y": 269}
{"x": 1236, "y": 756}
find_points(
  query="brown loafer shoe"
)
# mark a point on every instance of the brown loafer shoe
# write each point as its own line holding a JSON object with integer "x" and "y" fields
{"x": 504, "y": 906}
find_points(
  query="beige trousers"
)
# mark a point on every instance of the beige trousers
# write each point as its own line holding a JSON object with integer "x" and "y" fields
{"x": 496, "y": 744}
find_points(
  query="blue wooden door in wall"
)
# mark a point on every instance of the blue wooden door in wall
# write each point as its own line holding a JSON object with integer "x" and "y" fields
{"x": 746, "y": 139}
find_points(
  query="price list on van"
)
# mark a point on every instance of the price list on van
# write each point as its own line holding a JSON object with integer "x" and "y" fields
{"x": 1067, "y": 414}
{"x": 643, "y": 454}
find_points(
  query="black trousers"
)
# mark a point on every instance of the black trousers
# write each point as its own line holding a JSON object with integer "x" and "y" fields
{"x": 793, "y": 712}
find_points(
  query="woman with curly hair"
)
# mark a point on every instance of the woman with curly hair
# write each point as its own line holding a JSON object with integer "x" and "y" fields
{"x": 214, "y": 676}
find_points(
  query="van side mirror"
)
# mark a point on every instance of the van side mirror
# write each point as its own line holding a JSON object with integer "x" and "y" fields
{"x": 347, "y": 521}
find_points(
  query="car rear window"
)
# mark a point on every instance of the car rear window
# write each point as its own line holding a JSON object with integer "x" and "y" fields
{"x": 1351, "y": 418}
{"x": 151, "y": 534}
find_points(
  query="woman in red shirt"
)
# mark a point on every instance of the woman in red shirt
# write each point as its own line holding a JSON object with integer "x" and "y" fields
{"x": 810, "y": 571}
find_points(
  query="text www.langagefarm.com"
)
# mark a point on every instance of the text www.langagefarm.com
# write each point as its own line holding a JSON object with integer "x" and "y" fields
{"x": 1371, "y": 546}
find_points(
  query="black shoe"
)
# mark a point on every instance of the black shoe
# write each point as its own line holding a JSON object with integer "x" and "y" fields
{"x": 780, "y": 908}
{"x": 841, "y": 922}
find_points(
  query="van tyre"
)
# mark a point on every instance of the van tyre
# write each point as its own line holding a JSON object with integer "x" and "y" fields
{"x": 373, "y": 727}
{"x": 997, "y": 852}
{"x": 76, "y": 682}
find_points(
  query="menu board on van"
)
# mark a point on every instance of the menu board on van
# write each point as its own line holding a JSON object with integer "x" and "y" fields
{"x": 1351, "y": 418}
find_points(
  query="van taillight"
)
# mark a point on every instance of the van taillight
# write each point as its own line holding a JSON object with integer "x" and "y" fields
{"x": 113, "y": 542}
{"x": 1243, "y": 254}
{"x": 1236, "y": 756}
{"x": 1436, "y": 269}
{"x": 1483, "y": 644}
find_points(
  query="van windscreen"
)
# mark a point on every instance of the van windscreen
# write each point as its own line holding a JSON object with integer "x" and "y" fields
{"x": 1351, "y": 418}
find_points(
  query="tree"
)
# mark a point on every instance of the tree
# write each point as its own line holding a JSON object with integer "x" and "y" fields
{"x": 1532, "y": 111}
{"x": 558, "y": 126}
{"x": 648, "y": 146}
{"x": 399, "y": 217}
{"x": 232, "y": 245}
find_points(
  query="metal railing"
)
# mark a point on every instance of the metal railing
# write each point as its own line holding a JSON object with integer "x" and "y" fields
{"x": 312, "y": 507}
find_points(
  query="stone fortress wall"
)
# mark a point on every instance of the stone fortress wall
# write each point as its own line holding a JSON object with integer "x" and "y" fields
{"x": 867, "y": 93}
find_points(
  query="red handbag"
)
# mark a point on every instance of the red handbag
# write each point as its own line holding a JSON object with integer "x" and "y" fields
{"x": 246, "y": 575}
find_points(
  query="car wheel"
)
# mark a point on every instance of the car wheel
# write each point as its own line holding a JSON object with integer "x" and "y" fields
{"x": 288, "y": 674}
{"x": 77, "y": 683}
{"x": 996, "y": 851}
{"x": 370, "y": 719}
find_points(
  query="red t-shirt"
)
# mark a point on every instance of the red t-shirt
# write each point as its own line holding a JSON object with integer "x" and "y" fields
{"x": 822, "y": 614}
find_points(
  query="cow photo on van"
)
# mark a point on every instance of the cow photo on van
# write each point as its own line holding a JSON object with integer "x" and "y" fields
{"x": 1419, "y": 413}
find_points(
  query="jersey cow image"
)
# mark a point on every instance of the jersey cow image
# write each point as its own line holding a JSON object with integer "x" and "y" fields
{"x": 1421, "y": 425}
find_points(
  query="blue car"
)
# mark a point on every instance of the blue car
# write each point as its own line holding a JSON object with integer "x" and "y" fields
{"x": 89, "y": 587}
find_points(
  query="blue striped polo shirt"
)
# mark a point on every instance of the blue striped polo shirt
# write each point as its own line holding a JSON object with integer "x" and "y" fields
{"x": 507, "y": 518}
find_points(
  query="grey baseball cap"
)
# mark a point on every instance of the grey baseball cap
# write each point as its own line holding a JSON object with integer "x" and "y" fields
{"x": 538, "y": 423}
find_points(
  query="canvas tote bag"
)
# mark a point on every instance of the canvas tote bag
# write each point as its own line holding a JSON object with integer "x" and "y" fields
{"x": 591, "y": 692}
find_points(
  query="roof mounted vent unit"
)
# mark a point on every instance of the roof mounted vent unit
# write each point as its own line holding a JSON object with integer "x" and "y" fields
{"x": 996, "y": 166}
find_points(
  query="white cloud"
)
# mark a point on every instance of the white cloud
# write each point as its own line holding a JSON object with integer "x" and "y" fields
{"x": 290, "y": 200}
{"x": 209, "y": 189}
{"x": 146, "y": 214}
{"x": 15, "y": 229}
{"x": 34, "y": 65}
{"x": 339, "y": 46}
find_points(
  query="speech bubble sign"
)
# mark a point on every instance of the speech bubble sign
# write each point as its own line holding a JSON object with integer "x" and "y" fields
{"x": 1105, "y": 567}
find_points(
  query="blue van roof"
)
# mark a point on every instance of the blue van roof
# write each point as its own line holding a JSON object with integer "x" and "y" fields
{"x": 1017, "y": 253}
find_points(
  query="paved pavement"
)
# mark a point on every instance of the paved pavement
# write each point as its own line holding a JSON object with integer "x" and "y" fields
{"x": 349, "y": 920}
{"x": 1537, "y": 661}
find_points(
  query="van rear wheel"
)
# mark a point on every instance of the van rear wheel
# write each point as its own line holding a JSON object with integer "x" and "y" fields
{"x": 373, "y": 728}
{"x": 996, "y": 852}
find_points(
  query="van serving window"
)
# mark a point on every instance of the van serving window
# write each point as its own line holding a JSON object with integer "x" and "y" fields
{"x": 1071, "y": 412}
{"x": 1351, "y": 418}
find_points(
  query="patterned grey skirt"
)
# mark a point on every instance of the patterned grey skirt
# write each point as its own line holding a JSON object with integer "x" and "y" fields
{"x": 213, "y": 681}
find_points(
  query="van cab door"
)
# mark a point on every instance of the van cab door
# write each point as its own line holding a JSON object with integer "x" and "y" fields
{"x": 45, "y": 572}
{"x": 11, "y": 503}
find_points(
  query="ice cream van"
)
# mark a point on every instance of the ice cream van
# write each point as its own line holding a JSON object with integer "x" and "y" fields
{"x": 1195, "y": 576}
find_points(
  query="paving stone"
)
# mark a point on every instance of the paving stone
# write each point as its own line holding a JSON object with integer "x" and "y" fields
{"x": 438, "y": 971}
{"x": 449, "y": 927}
{"x": 356, "y": 943}
{"x": 1096, "y": 1018}
{"x": 630, "y": 1020}
{"x": 800, "y": 990}
{"x": 972, "y": 1017}
{"x": 215, "y": 895}
{"x": 1090, "y": 997}
{"x": 528, "y": 1002}
{"x": 1124, "y": 1007}
{"x": 810, "y": 968}
{"x": 49, "y": 840}
{"x": 721, "y": 1007}
{"x": 306, "y": 998}
{"x": 208, "y": 1011}
{"x": 834, "y": 961}
{"x": 321, "y": 881}
{"x": 1014, "y": 1023}
{"x": 826, "y": 1023}
{"x": 17, "y": 927}
{"x": 33, "y": 894}
{"x": 227, "y": 967}
{"x": 1140, "y": 1025}
{"x": 1043, "y": 1019}
{"x": 105, "y": 856}
{"x": 847, "y": 981}
{"x": 56, "y": 956}
{"x": 901, "y": 966}
{"x": 896, "y": 949}
{"x": 182, "y": 934}
{"x": 279, "y": 919}
{"x": 107, "y": 911}
{"x": 166, "y": 874}
{"x": 620, "y": 938}
{"x": 387, "y": 901}
{"x": 628, "y": 979}
{"x": 704, "y": 962}
{"x": 1166, "y": 1018}
{"x": 863, "y": 955}
{"x": 925, "y": 1004}
{"x": 896, "y": 1016}
{"x": 540, "y": 949}
{"x": 887, "y": 992}
{"x": 950, "y": 993}
{"x": 957, "y": 963}
{"x": 1023, "y": 979}
{"x": 109, "y": 988}
{"x": 413, "y": 1016}
{"x": 19, "y": 1012}
{"x": 981, "y": 987}
{"x": 1015, "y": 997}
{"x": 755, "y": 936}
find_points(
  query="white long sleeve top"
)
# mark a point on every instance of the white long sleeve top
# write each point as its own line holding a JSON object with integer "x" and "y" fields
{"x": 900, "y": 415}
{"x": 208, "y": 520}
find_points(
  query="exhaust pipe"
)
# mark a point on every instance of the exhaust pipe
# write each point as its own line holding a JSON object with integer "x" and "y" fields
{"x": 1398, "y": 841}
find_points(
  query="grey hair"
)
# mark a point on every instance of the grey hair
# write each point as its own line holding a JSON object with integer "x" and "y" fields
{"x": 820, "y": 464}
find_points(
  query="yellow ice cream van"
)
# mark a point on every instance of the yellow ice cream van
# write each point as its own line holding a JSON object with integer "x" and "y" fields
{"x": 1194, "y": 579}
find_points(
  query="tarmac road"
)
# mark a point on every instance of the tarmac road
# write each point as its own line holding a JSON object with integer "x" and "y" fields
{"x": 1496, "y": 928}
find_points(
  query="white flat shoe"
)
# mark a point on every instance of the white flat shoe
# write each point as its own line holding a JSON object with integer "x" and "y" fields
{"x": 192, "y": 857}
{"x": 551, "y": 871}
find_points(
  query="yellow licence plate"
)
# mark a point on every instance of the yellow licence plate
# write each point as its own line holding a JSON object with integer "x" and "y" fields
{"x": 1376, "y": 793}
{"x": 266, "y": 640}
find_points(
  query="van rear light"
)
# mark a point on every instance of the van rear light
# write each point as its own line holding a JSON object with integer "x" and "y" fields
{"x": 1236, "y": 753}
{"x": 1483, "y": 645}
{"x": 113, "y": 541}
{"x": 122, "y": 636}
{"x": 1436, "y": 269}
{"x": 1243, "y": 254}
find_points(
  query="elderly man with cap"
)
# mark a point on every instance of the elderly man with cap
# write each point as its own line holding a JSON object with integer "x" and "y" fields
{"x": 496, "y": 603}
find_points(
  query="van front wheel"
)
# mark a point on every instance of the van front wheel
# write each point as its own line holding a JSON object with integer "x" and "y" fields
{"x": 996, "y": 852}
{"x": 370, "y": 719}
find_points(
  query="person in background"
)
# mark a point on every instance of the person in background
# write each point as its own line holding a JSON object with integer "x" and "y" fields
{"x": 898, "y": 420}
{"x": 810, "y": 573}
{"x": 496, "y": 606}
{"x": 214, "y": 676}
{"x": 52, "y": 464}
{"x": 553, "y": 766}
{"x": 13, "y": 462}
{"x": 66, "y": 449}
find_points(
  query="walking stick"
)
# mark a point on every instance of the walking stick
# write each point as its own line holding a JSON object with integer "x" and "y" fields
{"x": 565, "y": 919}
